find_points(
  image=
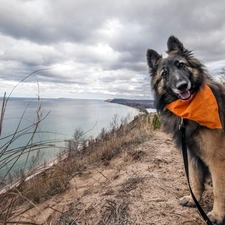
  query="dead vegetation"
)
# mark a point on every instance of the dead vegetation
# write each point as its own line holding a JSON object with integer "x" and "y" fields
{"x": 80, "y": 155}
{"x": 129, "y": 175}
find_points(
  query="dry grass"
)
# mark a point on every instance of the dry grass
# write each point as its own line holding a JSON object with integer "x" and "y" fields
{"x": 80, "y": 156}
{"x": 115, "y": 213}
{"x": 120, "y": 197}
{"x": 131, "y": 183}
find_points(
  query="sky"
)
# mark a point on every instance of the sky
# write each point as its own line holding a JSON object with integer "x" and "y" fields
{"x": 96, "y": 49}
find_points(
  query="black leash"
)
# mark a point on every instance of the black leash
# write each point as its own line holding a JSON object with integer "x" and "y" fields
{"x": 185, "y": 158}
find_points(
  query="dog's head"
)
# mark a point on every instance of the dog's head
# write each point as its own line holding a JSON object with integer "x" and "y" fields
{"x": 179, "y": 75}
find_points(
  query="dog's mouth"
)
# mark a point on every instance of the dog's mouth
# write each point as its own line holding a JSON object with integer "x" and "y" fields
{"x": 186, "y": 95}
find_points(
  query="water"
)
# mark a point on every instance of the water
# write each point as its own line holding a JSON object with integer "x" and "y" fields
{"x": 150, "y": 110}
{"x": 60, "y": 118}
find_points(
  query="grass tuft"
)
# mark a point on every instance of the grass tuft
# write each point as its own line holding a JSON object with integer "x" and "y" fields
{"x": 115, "y": 213}
{"x": 156, "y": 124}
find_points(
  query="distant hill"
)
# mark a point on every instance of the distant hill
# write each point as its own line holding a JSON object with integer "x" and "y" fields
{"x": 140, "y": 104}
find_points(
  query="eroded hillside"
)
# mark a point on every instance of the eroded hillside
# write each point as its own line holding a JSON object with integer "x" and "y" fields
{"x": 139, "y": 185}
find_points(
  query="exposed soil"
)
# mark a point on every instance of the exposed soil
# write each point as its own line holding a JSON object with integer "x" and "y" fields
{"x": 138, "y": 187}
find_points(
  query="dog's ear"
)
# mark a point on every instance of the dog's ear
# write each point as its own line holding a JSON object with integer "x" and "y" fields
{"x": 152, "y": 58}
{"x": 173, "y": 44}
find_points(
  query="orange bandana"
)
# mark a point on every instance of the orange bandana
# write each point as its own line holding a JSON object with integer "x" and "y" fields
{"x": 202, "y": 108}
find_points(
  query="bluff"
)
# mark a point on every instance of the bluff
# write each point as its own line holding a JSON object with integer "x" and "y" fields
{"x": 140, "y": 104}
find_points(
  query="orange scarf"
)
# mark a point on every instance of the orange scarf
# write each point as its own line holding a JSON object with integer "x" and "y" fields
{"x": 202, "y": 108}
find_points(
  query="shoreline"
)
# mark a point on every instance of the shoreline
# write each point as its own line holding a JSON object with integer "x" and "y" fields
{"x": 39, "y": 169}
{"x": 63, "y": 155}
{"x": 138, "y": 109}
{"x": 141, "y": 105}
{"x": 99, "y": 114}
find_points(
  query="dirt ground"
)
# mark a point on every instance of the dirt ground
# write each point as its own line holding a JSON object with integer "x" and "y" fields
{"x": 139, "y": 187}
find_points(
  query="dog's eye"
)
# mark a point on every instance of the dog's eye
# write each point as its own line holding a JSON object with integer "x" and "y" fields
{"x": 164, "y": 73}
{"x": 180, "y": 65}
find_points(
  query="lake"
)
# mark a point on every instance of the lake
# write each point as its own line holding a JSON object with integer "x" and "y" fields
{"x": 59, "y": 120}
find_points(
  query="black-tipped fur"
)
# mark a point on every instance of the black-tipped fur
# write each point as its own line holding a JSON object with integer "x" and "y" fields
{"x": 152, "y": 58}
{"x": 173, "y": 44}
{"x": 206, "y": 147}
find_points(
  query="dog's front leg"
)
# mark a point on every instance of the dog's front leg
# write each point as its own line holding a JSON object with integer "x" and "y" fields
{"x": 197, "y": 174}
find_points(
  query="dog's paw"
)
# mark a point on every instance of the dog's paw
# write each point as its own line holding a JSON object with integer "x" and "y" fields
{"x": 187, "y": 201}
{"x": 215, "y": 218}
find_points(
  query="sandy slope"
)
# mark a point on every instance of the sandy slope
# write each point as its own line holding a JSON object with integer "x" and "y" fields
{"x": 140, "y": 186}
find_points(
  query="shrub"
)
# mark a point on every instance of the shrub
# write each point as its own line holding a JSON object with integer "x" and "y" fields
{"x": 156, "y": 124}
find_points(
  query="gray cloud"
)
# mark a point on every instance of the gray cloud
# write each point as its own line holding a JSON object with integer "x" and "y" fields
{"x": 96, "y": 48}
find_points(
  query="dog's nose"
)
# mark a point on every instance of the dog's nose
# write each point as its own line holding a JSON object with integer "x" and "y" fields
{"x": 182, "y": 85}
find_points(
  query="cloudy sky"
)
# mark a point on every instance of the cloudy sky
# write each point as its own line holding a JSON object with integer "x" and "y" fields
{"x": 96, "y": 48}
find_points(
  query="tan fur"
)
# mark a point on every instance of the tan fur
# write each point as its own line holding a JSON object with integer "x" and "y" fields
{"x": 158, "y": 77}
{"x": 206, "y": 147}
{"x": 160, "y": 87}
{"x": 194, "y": 72}
{"x": 213, "y": 154}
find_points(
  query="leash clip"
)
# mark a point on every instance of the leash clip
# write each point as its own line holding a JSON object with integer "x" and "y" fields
{"x": 181, "y": 124}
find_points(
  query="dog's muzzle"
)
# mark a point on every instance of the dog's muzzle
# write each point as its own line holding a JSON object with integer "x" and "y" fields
{"x": 183, "y": 89}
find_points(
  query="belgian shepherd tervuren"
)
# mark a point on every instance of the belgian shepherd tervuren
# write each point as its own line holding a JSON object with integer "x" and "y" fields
{"x": 182, "y": 88}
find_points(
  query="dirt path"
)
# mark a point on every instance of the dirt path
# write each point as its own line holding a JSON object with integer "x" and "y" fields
{"x": 139, "y": 187}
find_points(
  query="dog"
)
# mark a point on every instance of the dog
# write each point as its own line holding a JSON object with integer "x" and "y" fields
{"x": 180, "y": 77}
